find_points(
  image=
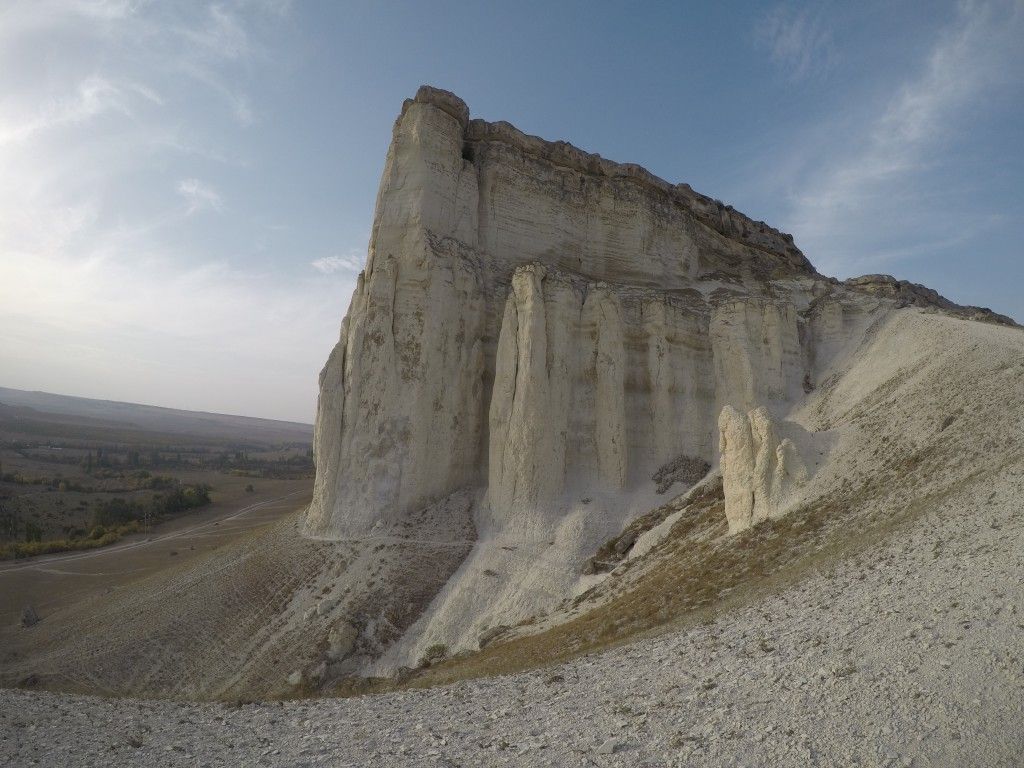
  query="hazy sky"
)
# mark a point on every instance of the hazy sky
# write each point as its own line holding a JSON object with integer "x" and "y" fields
{"x": 186, "y": 189}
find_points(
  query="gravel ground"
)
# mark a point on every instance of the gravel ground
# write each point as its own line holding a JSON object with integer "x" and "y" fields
{"x": 909, "y": 655}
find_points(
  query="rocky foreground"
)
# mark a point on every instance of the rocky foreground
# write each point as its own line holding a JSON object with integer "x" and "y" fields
{"x": 909, "y": 654}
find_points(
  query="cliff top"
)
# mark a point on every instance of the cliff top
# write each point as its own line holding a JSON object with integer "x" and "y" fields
{"x": 711, "y": 212}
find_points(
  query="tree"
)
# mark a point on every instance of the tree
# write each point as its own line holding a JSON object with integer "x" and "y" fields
{"x": 8, "y": 524}
{"x": 33, "y": 531}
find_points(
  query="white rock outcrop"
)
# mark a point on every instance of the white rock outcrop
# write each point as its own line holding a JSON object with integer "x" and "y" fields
{"x": 529, "y": 399}
{"x": 736, "y": 446}
{"x": 516, "y": 432}
{"x": 405, "y": 377}
{"x": 759, "y": 470}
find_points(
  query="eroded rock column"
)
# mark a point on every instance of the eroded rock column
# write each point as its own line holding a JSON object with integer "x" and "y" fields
{"x": 527, "y": 450}
{"x": 602, "y": 310}
{"x": 759, "y": 471}
{"x": 736, "y": 446}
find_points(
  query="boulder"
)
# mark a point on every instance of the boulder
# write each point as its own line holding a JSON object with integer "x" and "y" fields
{"x": 29, "y": 617}
{"x": 341, "y": 640}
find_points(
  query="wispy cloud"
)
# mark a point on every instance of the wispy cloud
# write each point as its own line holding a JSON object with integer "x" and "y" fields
{"x": 351, "y": 262}
{"x": 20, "y": 17}
{"x": 199, "y": 196}
{"x": 92, "y": 97}
{"x": 220, "y": 36}
{"x": 798, "y": 41}
{"x": 872, "y": 188}
{"x": 212, "y": 44}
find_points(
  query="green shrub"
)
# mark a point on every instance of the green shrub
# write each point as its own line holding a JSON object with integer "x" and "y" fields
{"x": 21, "y": 549}
{"x": 33, "y": 531}
{"x": 116, "y": 511}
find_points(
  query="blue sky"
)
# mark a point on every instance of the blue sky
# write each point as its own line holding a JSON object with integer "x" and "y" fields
{"x": 186, "y": 188}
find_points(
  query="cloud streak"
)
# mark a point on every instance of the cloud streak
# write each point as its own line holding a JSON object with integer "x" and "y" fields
{"x": 857, "y": 207}
{"x": 352, "y": 263}
{"x": 94, "y": 96}
{"x": 199, "y": 197}
{"x": 798, "y": 42}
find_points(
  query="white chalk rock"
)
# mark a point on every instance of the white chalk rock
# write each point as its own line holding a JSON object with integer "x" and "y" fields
{"x": 604, "y": 312}
{"x": 530, "y": 320}
{"x": 736, "y": 446}
{"x": 759, "y": 471}
{"x": 546, "y": 330}
{"x": 758, "y": 356}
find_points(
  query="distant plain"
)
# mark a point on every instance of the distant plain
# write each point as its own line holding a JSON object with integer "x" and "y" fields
{"x": 68, "y": 464}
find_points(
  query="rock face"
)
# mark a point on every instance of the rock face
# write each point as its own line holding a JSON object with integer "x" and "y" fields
{"x": 548, "y": 330}
{"x": 541, "y": 313}
{"x": 563, "y": 391}
{"x": 758, "y": 355}
{"x": 907, "y": 293}
{"x": 405, "y": 377}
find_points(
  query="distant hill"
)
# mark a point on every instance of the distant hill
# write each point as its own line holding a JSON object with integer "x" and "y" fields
{"x": 156, "y": 419}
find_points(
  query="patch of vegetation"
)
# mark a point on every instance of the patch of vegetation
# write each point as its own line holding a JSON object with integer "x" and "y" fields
{"x": 98, "y": 537}
{"x": 614, "y": 551}
{"x": 69, "y": 482}
{"x": 433, "y": 654}
{"x": 181, "y": 498}
{"x": 111, "y": 520}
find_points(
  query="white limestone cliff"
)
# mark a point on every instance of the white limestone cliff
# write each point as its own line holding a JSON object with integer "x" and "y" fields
{"x": 528, "y": 400}
{"x": 545, "y": 332}
{"x": 421, "y": 362}
{"x": 404, "y": 378}
{"x": 758, "y": 356}
{"x": 601, "y": 311}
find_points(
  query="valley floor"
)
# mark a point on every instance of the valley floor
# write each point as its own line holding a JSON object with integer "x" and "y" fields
{"x": 50, "y": 583}
{"x": 909, "y": 654}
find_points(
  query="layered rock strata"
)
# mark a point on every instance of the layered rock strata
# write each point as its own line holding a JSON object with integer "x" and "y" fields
{"x": 541, "y": 313}
{"x": 908, "y": 294}
{"x": 548, "y": 331}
